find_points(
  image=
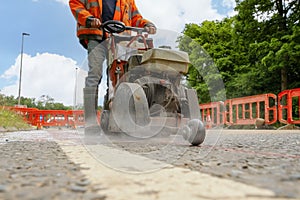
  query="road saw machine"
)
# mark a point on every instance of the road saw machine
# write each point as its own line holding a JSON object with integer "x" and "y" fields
{"x": 145, "y": 97}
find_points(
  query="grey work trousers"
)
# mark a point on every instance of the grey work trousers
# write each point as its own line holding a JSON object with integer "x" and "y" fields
{"x": 97, "y": 52}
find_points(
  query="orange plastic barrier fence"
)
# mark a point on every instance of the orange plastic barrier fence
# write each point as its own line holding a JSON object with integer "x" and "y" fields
{"x": 47, "y": 118}
{"x": 245, "y": 110}
{"x": 289, "y": 113}
{"x": 213, "y": 113}
{"x": 240, "y": 111}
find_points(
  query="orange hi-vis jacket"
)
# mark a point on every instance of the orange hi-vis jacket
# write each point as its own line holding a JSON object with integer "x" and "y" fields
{"x": 126, "y": 11}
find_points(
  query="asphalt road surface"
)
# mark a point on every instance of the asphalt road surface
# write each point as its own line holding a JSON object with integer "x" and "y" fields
{"x": 39, "y": 164}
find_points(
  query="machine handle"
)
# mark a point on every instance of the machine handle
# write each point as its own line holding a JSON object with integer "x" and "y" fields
{"x": 113, "y": 26}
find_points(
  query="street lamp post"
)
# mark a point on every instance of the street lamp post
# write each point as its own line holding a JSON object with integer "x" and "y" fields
{"x": 75, "y": 92}
{"x": 20, "y": 78}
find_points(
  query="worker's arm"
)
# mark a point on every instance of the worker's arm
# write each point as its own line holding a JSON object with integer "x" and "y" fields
{"x": 82, "y": 15}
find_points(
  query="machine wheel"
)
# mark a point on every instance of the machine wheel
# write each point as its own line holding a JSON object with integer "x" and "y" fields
{"x": 129, "y": 109}
{"x": 104, "y": 119}
{"x": 194, "y": 132}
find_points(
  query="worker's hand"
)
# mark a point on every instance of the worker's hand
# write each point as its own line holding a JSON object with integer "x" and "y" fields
{"x": 95, "y": 23}
{"x": 150, "y": 29}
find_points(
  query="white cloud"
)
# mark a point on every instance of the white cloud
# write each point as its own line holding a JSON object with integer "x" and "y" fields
{"x": 229, "y": 3}
{"x": 174, "y": 14}
{"x": 65, "y": 2}
{"x": 46, "y": 74}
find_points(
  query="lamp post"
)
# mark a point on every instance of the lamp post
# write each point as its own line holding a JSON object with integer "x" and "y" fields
{"x": 75, "y": 92}
{"x": 20, "y": 78}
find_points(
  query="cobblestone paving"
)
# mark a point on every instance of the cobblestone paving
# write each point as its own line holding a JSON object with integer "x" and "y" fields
{"x": 37, "y": 168}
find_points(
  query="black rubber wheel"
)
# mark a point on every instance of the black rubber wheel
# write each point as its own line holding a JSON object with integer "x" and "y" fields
{"x": 197, "y": 132}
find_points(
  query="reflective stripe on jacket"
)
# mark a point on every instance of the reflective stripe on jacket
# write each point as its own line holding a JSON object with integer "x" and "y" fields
{"x": 126, "y": 11}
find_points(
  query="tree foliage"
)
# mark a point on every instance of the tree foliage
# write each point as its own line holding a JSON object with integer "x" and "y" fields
{"x": 256, "y": 51}
{"x": 45, "y": 102}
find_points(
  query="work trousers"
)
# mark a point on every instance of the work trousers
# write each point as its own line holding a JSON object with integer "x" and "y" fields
{"x": 97, "y": 51}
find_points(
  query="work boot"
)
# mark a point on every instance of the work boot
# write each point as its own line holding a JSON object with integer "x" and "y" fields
{"x": 91, "y": 127}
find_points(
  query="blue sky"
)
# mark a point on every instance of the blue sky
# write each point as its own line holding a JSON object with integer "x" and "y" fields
{"x": 52, "y": 52}
{"x": 51, "y": 27}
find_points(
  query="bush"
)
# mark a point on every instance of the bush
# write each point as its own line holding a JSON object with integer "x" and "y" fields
{"x": 10, "y": 119}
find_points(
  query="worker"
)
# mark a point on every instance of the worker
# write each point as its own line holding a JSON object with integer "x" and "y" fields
{"x": 89, "y": 15}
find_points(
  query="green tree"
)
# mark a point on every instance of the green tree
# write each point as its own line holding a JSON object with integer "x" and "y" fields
{"x": 268, "y": 29}
{"x": 210, "y": 49}
{"x": 256, "y": 51}
{"x": 45, "y": 102}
